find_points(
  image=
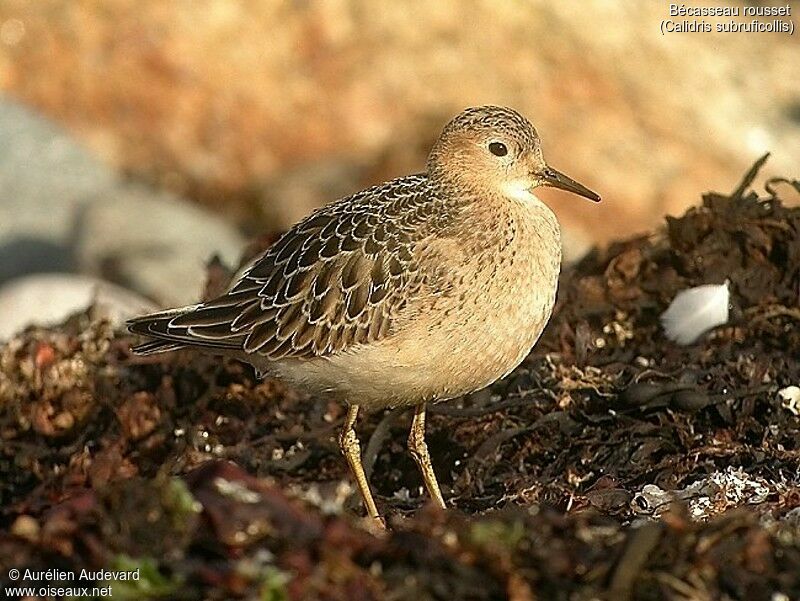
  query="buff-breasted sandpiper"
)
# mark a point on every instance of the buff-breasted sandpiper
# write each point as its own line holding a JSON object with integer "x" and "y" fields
{"x": 421, "y": 289}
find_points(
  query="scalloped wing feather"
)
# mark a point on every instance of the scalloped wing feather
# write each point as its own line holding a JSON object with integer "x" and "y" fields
{"x": 336, "y": 279}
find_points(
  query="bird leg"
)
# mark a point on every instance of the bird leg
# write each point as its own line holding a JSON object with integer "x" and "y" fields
{"x": 419, "y": 451}
{"x": 351, "y": 449}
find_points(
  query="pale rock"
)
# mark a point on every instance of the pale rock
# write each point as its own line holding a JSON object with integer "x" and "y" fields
{"x": 48, "y": 299}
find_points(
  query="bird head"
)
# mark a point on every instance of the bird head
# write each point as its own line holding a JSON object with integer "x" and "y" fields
{"x": 495, "y": 149}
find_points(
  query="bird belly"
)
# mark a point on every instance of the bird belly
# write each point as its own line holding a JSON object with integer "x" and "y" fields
{"x": 449, "y": 349}
{"x": 496, "y": 332}
{"x": 474, "y": 324}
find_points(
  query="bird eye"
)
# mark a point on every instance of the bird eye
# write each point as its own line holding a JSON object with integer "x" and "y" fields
{"x": 498, "y": 149}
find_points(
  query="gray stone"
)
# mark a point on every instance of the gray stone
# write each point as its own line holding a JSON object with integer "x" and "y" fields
{"x": 154, "y": 244}
{"x": 61, "y": 209}
{"x": 45, "y": 178}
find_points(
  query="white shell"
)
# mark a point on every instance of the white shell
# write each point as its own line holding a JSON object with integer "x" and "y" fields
{"x": 790, "y": 398}
{"x": 694, "y": 311}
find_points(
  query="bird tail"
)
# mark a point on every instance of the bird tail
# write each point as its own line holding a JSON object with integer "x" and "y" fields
{"x": 165, "y": 337}
{"x": 154, "y": 347}
{"x": 155, "y": 325}
{"x": 168, "y": 335}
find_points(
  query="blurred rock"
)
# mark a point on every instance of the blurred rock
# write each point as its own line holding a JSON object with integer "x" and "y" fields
{"x": 47, "y": 299}
{"x": 214, "y": 102}
{"x": 45, "y": 178}
{"x": 154, "y": 243}
{"x": 290, "y": 196}
{"x": 63, "y": 210}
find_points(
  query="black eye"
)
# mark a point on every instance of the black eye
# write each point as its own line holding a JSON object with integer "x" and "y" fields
{"x": 498, "y": 149}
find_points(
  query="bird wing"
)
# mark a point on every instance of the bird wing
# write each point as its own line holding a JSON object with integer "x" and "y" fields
{"x": 335, "y": 280}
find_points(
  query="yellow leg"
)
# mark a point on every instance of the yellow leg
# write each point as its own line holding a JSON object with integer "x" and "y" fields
{"x": 419, "y": 451}
{"x": 351, "y": 449}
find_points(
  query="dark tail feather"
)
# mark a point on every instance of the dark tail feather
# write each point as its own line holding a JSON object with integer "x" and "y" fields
{"x": 168, "y": 338}
{"x": 156, "y": 346}
{"x": 144, "y": 324}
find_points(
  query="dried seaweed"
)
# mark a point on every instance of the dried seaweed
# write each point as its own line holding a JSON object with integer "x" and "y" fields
{"x": 612, "y": 462}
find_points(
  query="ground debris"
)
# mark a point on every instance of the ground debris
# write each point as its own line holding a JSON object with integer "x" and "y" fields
{"x": 611, "y": 463}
